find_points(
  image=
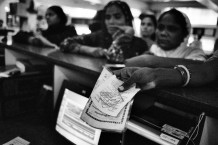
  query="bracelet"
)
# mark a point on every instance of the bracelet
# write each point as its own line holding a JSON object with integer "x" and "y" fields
{"x": 185, "y": 73}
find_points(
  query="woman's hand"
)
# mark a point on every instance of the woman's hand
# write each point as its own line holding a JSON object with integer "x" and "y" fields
{"x": 94, "y": 51}
{"x": 148, "y": 78}
{"x": 46, "y": 42}
{"x": 123, "y": 30}
{"x": 123, "y": 34}
{"x": 70, "y": 45}
{"x": 121, "y": 39}
{"x": 115, "y": 54}
{"x": 143, "y": 77}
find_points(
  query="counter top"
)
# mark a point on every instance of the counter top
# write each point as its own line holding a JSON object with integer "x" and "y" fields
{"x": 192, "y": 99}
{"x": 68, "y": 60}
{"x": 199, "y": 99}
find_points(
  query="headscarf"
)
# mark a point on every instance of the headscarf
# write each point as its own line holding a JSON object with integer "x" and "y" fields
{"x": 182, "y": 51}
{"x": 59, "y": 11}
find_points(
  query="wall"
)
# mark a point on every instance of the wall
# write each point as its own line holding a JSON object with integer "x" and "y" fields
{"x": 3, "y": 4}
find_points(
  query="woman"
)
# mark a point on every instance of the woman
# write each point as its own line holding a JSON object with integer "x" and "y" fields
{"x": 115, "y": 40}
{"x": 57, "y": 30}
{"x": 148, "y": 28}
{"x": 173, "y": 31}
{"x": 171, "y": 48}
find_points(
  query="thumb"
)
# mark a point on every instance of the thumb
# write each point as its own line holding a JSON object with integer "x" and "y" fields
{"x": 127, "y": 84}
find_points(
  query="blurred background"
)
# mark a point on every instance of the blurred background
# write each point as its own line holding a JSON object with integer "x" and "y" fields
{"x": 29, "y": 14}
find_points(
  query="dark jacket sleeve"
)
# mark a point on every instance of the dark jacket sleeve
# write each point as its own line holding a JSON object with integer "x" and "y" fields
{"x": 22, "y": 37}
{"x": 135, "y": 47}
{"x": 92, "y": 39}
{"x": 68, "y": 31}
{"x": 140, "y": 45}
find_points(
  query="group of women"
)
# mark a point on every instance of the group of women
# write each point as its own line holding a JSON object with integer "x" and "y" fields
{"x": 163, "y": 45}
{"x": 116, "y": 41}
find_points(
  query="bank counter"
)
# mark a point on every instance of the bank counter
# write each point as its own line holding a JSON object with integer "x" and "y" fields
{"x": 179, "y": 107}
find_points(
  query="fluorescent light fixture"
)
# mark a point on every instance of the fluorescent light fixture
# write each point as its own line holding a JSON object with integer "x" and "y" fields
{"x": 94, "y": 1}
{"x": 205, "y": 17}
{"x": 82, "y": 29}
{"x": 7, "y": 9}
{"x": 79, "y": 12}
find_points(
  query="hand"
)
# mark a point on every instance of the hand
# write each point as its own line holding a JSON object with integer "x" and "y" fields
{"x": 123, "y": 34}
{"x": 143, "y": 77}
{"x": 115, "y": 54}
{"x": 148, "y": 78}
{"x": 69, "y": 45}
{"x": 123, "y": 30}
{"x": 45, "y": 41}
{"x": 94, "y": 51}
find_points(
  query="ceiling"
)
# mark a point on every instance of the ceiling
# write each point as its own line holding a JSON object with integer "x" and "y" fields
{"x": 139, "y": 4}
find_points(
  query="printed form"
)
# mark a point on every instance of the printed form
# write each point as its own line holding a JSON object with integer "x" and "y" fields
{"x": 106, "y": 96}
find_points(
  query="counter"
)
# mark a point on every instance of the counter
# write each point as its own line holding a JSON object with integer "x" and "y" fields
{"x": 86, "y": 69}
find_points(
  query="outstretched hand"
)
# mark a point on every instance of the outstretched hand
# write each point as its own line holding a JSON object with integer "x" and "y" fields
{"x": 45, "y": 41}
{"x": 148, "y": 78}
{"x": 143, "y": 77}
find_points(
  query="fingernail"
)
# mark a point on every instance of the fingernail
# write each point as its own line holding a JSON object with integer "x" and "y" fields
{"x": 121, "y": 88}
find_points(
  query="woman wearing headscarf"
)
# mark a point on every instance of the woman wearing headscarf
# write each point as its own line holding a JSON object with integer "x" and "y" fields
{"x": 56, "y": 32}
{"x": 173, "y": 32}
{"x": 115, "y": 40}
{"x": 171, "y": 47}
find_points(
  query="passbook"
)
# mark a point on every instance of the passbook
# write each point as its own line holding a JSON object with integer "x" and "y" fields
{"x": 107, "y": 108}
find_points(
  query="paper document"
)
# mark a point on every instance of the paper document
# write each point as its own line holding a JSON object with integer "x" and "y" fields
{"x": 107, "y": 108}
{"x": 108, "y": 99}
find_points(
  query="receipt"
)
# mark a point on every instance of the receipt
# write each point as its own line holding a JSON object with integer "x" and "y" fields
{"x": 107, "y": 98}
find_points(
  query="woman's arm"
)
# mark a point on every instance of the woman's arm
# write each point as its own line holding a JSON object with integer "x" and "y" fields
{"x": 152, "y": 61}
{"x": 68, "y": 31}
{"x": 44, "y": 41}
{"x": 93, "y": 51}
{"x": 83, "y": 44}
{"x": 147, "y": 78}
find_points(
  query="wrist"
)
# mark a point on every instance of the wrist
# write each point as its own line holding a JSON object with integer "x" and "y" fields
{"x": 184, "y": 73}
{"x": 166, "y": 77}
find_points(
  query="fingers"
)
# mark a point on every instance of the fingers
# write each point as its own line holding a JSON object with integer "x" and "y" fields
{"x": 127, "y": 29}
{"x": 127, "y": 84}
{"x": 117, "y": 34}
{"x": 128, "y": 75}
{"x": 143, "y": 77}
{"x": 125, "y": 72}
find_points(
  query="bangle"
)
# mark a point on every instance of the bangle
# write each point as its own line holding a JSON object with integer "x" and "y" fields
{"x": 185, "y": 73}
